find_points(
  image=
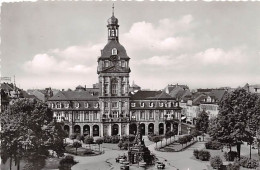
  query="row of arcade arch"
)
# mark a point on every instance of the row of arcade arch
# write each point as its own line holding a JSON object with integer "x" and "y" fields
{"x": 95, "y": 129}
{"x": 133, "y": 128}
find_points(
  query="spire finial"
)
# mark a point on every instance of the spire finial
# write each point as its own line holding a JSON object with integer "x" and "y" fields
{"x": 113, "y": 9}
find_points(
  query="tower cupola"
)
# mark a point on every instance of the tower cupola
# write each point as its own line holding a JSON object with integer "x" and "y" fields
{"x": 112, "y": 25}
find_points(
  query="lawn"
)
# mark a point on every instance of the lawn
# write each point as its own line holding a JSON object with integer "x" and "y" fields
{"x": 176, "y": 147}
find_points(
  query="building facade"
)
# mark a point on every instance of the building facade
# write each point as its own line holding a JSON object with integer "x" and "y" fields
{"x": 109, "y": 108}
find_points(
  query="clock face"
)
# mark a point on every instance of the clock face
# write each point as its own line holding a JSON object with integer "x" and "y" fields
{"x": 113, "y": 58}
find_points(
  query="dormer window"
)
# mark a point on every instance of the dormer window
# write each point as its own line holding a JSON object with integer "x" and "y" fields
{"x": 114, "y": 51}
{"x": 77, "y": 105}
{"x": 161, "y": 104}
{"x": 96, "y": 105}
{"x": 67, "y": 105}
{"x": 142, "y": 104}
{"x": 132, "y": 104}
{"x": 86, "y": 105}
{"x": 58, "y": 105}
{"x": 151, "y": 104}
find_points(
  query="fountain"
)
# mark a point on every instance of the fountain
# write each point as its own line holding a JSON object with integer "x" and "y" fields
{"x": 139, "y": 153}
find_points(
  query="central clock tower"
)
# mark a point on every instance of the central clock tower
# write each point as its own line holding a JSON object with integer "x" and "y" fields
{"x": 113, "y": 73}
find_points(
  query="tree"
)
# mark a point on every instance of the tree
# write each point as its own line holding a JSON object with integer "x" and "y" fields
{"x": 195, "y": 133}
{"x": 99, "y": 141}
{"x": 120, "y": 144}
{"x": 25, "y": 133}
{"x": 202, "y": 122}
{"x": 168, "y": 134}
{"x": 88, "y": 140}
{"x": 67, "y": 162}
{"x": 76, "y": 145}
{"x": 182, "y": 140}
{"x": 232, "y": 125}
{"x": 156, "y": 139}
{"x": 73, "y": 136}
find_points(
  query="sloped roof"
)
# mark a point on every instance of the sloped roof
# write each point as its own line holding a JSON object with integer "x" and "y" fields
{"x": 107, "y": 51}
{"x": 74, "y": 95}
{"x": 198, "y": 99}
{"x": 149, "y": 95}
{"x": 6, "y": 86}
{"x": 218, "y": 94}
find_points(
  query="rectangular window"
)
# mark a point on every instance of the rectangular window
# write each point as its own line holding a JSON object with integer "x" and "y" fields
{"x": 151, "y": 114}
{"x": 106, "y": 104}
{"x": 106, "y": 89}
{"x": 106, "y": 63}
{"x": 114, "y": 104}
{"x": 95, "y": 115}
{"x": 142, "y": 114}
{"x": 123, "y": 63}
{"x": 161, "y": 114}
{"x": 114, "y": 89}
{"x": 115, "y": 115}
{"x": 76, "y": 116}
{"x": 86, "y": 115}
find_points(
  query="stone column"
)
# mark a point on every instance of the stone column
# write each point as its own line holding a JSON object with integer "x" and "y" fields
{"x": 127, "y": 85}
{"x": 91, "y": 130}
{"x": 81, "y": 130}
{"x": 71, "y": 129}
{"x": 109, "y": 86}
{"x": 120, "y": 129}
{"x": 119, "y": 86}
{"x": 146, "y": 128}
{"x": 101, "y": 130}
{"x": 103, "y": 86}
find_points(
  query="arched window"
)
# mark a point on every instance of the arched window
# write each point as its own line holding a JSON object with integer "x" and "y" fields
{"x": 114, "y": 51}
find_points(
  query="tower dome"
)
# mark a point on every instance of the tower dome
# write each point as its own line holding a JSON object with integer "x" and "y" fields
{"x": 112, "y": 21}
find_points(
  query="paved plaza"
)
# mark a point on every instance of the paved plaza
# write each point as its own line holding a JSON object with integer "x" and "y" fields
{"x": 174, "y": 160}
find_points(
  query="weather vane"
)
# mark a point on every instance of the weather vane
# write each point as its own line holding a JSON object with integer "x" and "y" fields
{"x": 113, "y": 10}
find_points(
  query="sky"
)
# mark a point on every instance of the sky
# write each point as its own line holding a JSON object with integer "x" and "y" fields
{"x": 200, "y": 44}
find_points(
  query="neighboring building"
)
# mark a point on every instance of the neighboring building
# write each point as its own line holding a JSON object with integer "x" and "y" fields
{"x": 113, "y": 110}
{"x": 134, "y": 88}
{"x": 252, "y": 88}
{"x": 43, "y": 94}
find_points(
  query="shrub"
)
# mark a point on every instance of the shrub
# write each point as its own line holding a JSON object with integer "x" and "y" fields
{"x": 120, "y": 144}
{"x": 216, "y": 162}
{"x": 88, "y": 140}
{"x": 67, "y": 162}
{"x": 248, "y": 163}
{"x": 73, "y": 136}
{"x": 130, "y": 137}
{"x": 234, "y": 166}
{"x": 196, "y": 153}
{"x": 107, "y": 139}
{"x": 80, "y": 137}
{"x": 215, "y": 145}
{"x": 115, "y": 139}
{"x": 204, "y": 155}
{"x": 230, "y": 156}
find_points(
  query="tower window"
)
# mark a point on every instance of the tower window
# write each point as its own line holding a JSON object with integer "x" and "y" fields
{"x": 112, "y": 33}
{"x": 114, "y": 51}
{"x": 114, "y": 104}
{"x": 106, "y": 89}
{"x": 106, "y": 63}
{"x": 123, "y": 63}
{"x": 114, "y": 87}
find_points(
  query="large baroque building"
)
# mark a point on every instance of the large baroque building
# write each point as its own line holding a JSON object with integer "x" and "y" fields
{"x": 109, "y": 108}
